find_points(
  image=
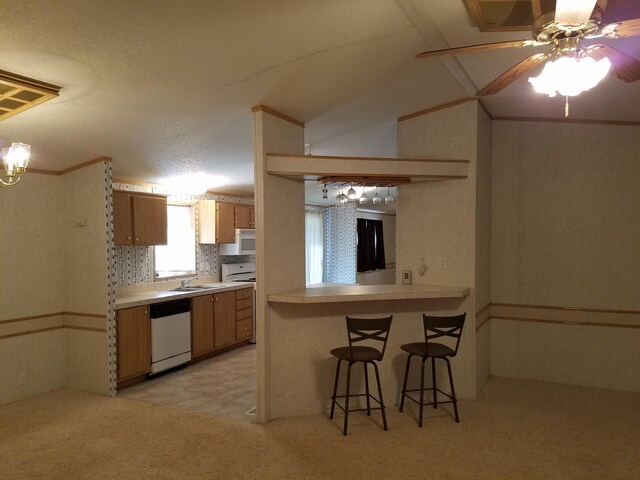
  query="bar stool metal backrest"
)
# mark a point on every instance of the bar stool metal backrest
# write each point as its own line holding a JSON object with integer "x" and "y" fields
{"x": 442, "y": 328}
{"x": 374, "y": 330}
{"x": 447, "y": 330}
{"x": 371, "y": 331}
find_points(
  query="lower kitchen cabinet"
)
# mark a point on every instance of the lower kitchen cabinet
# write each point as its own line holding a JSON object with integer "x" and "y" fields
{"x": 201, "y": 325}
{"x": 213, "y": 323}
{"x": 224, "y": 319}
{"x": 244, "y": 314}
{"x": 134, "y": 342}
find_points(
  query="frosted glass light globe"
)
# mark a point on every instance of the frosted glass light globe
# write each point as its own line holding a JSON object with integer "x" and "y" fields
{"x": 570, "y": 76}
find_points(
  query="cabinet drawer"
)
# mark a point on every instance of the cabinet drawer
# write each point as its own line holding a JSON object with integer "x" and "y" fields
{"x": 244, "y": 329}
{"x": 244, "y": 303}
{"x": 244, "y": 293}
{"x": 243, "y": 314}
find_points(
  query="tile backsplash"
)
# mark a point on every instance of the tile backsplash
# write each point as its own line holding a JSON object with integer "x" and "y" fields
{"x": 135, "y": 265}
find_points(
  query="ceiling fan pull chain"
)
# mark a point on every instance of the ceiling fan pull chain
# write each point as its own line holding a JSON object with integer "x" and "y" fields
{"x": 566, "y": 106}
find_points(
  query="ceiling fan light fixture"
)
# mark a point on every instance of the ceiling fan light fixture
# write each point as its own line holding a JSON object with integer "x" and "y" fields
{"x": 569, "y": 75}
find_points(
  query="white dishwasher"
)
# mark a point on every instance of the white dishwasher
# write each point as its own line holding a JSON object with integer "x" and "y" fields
{"x": 170, "y": 334}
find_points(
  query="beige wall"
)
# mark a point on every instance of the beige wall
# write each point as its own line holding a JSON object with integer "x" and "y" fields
{"x": 86, "y": 287}
{"x": 50, "y": 266}
{"x": 565, "y": 230}
{"x": 280, "y": 258}
{"x": 436, "y": 219}
{"x": 30, "y": 285}
{"x": 483, "y": 249}
{"x": 30, "y": 247}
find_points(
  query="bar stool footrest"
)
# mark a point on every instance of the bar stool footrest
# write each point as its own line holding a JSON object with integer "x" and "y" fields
{"x": 359, "y": 409}
{"x": 429, "y": 389}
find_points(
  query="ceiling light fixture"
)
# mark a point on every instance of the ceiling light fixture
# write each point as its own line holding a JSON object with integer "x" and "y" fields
{"x": 15, "y": 160}
{"x": 195, "y": 183}
{"x": 570, "y": 73}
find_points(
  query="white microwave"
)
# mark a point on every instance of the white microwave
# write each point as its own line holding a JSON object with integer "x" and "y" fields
{"x": 245, "y": 244}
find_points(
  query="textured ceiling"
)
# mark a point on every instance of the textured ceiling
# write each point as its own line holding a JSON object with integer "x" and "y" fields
{"x": 166, "y": 87}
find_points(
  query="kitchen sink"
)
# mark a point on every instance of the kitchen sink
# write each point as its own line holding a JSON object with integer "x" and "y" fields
{"x": 188, "y": 289}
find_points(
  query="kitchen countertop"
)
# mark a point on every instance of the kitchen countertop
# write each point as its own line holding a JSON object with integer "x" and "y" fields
{"x": 365, "y": 293}
{"x": 159, "y": 296}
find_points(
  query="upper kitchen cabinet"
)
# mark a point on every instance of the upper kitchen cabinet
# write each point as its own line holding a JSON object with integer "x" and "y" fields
{"x": 206, "y": 221}
{"x": 217, "y": 221}
{"x": 225, "y": 223}
{"x": 139, "y": 218}
{"x": 245, "y": 216}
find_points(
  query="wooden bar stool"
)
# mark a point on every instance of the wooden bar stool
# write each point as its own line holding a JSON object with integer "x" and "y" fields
{"x": 361, "y": 329}
{"x": 434, "y": 327}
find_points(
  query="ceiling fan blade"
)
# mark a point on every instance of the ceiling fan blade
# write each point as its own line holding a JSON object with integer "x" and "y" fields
{"x": 625, "y": 28}
{"x": 574, "y": 12}
{"x": 512, "y": 74}
{"x": 482, "y": 46}
{"x": 599, "y": 11}
{"x": 623, "y": 66}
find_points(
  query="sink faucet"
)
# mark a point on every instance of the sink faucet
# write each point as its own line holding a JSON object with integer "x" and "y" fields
{"x": 185, "y": 281}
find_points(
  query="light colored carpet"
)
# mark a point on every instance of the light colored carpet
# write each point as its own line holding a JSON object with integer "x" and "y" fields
{"x": 516, "y": 430}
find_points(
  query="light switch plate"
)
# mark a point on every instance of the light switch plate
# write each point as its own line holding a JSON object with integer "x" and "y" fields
{"x": 406, "y": 277}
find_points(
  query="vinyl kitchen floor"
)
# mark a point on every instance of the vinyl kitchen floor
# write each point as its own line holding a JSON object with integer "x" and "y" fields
{"x": 222, "y": 386}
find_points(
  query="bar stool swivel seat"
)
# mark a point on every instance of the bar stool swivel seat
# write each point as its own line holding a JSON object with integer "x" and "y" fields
{"x": 375, "y": 330}
{"x": 434, "y": 327}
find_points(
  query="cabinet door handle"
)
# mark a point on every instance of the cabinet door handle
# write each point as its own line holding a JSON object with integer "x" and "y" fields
{"x": 129, "y": 237}
{"x": 137, "y": 238}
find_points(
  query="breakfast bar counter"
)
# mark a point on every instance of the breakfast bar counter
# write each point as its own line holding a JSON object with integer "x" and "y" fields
{"x": 305, "y": 324}
{"x": 332, "y": 293}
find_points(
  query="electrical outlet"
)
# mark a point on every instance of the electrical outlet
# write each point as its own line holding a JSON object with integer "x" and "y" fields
{"x": 22, "y": 378}
{"x": 443, "y": 262}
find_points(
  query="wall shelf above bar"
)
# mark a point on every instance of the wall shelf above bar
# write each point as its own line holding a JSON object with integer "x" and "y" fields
{"x": 366, "y": 293}
{"x": 314, "y": 167}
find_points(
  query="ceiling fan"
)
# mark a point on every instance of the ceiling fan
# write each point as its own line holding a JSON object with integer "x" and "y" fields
{"x": 572, "y": 67}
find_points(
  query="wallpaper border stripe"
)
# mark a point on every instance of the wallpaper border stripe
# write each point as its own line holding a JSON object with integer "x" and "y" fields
{"x": 563, "y": 322}
{"x": 54, "y": 314}
{"x": 47, "y": 329}
{"x": 594, "y": 317}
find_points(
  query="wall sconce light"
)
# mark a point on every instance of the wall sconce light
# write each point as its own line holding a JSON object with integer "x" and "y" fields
{"x": 15, "y": 160}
